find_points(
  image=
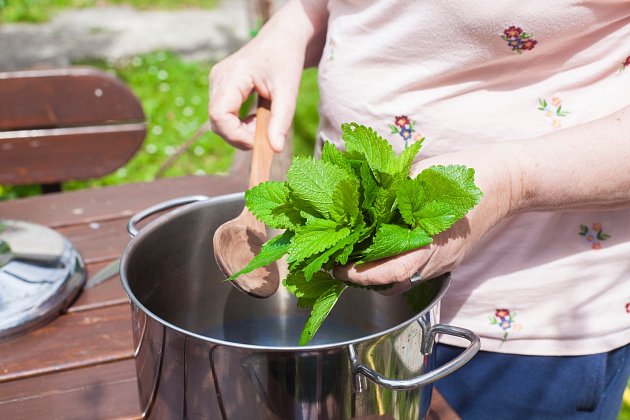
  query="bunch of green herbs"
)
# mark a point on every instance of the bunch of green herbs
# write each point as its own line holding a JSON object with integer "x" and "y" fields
{"x": 355, "y": 206}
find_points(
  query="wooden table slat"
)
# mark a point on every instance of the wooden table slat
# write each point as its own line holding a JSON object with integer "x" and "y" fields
{"x": 104, "y": 391}
{"x": 90, "y": 205}
{"x": 98, "y": 242}
{"x": 69, "y": 342}
{"x": 108, "y": 293}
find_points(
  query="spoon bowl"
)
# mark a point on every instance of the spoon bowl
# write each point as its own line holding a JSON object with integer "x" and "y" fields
{"x": 239, "y": 240}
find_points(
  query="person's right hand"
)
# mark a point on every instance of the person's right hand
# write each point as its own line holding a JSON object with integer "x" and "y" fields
{"x": 271, "y": 64}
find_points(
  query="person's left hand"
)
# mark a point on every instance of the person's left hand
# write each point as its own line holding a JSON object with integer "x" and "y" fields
{"x": 495, "y": 177}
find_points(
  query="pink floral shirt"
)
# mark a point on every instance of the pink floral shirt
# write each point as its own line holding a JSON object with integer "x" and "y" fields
{"x": 464, "y": 74}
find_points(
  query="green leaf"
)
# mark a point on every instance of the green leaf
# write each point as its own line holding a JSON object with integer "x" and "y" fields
{"x": 316, "y": 236}
{"x": 316, "y": 263}
{"x": 406, "y": 158}
{"x": 314, "y": 181}
{"x": 393, "y": 240}
{"x": 384, "y": 204}
{"x": 287, "y": 216}
{"x": 410, "y": 196}
{"x": 369, "y": 185}
{"x": 377, "y": 152}
{"x": 331, "y": 154}
{"x": 269, "y": 202}
{"x": 323, "y": 291}
{"x": 271, "y": 251}
{"x": 450, "y": 192}
{"x": 301, "y": 287}
{"x": 322, "y": 307}
{"x": 345, "y": 209}
{"x": 348, "y": 246}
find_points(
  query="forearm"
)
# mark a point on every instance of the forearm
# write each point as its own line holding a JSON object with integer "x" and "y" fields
{"x": 582, "y": 167}
{"x": 305, "y": 23}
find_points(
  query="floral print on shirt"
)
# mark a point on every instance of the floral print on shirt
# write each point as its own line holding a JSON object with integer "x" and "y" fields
{"x": 518, "y": 40}
{"x": 505, "y": 320}
{"x": 332, "y": 45}
{"x": 628, "y": 308}
{"x": 553, "y": 110}
{"x": 404, "y": 127}
{"x": 625, "y": 64}
{"x": 594, "y": 235}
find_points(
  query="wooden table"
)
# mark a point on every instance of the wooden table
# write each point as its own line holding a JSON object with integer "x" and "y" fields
{"x": 80, "y": 366}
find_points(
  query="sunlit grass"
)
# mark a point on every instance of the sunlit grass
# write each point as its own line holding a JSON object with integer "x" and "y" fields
{"x": 43, "y": 10}
{"x": 174, "y": 95}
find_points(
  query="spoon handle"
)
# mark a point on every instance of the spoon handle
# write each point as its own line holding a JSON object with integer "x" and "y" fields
{"x": 262, "y": 154}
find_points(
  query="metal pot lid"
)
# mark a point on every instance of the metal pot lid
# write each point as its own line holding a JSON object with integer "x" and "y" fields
{"x": 41, "y": 273}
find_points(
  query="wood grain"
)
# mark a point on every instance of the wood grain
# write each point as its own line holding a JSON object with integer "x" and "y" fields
{"x": 66, "y": 124}
{"x": 61, "y": 154}
{"x": 104, "y": 391}
{"x": 108, "y": 293}
{"x": 71, "y": 341}
{"x": 64, "y": 98}
{"x": 120, "y": 202}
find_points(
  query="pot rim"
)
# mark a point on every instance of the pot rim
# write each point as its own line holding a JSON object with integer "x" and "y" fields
{"x": 165, "y": 218}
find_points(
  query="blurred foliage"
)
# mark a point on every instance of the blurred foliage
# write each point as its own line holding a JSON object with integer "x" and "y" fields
{"x": 174, "y": 95}
{"x": 42, "y": 10}
{"x": 306, "y": 117}
{"x": 625, "y": 409}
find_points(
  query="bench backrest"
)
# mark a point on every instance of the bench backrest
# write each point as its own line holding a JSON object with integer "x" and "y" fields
{"x": 65, "y": 124}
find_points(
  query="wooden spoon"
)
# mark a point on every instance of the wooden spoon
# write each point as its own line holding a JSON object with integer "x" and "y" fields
{"x": 237, "y": 242}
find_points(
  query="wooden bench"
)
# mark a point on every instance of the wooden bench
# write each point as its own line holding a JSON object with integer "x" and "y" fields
{"x": 65, "y": 124}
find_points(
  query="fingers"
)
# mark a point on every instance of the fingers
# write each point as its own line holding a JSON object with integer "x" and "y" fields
{"x": 396, "y": 269}
{"x": 282, "y": 109}
{"x": 227, "y": 95}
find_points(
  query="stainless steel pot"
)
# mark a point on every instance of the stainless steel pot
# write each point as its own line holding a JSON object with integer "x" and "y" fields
{"x": 205, "y": 350}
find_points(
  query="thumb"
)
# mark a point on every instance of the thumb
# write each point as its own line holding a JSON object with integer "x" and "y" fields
{"x": 282, "y": 109}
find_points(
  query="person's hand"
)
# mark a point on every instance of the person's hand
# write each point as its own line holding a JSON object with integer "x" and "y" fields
{"x": 270, "y": 64}
{"x": 498, "y": 182}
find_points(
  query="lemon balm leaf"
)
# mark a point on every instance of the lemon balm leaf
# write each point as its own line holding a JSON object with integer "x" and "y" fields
{"x": 411, "y": 199}
{"x": 268, "y": 201}
{"x": 271, "y": 251}
{"x": 314, "y": 181}
{"x": 377, "y": 152}
{"x": 316, "y": 236}
{"x": 321, "y": 308}
{"x": 449, "y": 193}
{"x": 392, "y": 240}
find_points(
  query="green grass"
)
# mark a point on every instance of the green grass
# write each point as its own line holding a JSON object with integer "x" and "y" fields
{"x": 43, "y": 10}
{"x": 625, "y": 409}
{"x": 174, "y": 95}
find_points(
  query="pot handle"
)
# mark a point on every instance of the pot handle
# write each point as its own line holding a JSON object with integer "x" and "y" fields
{"x": 425, "y": 378}
{"x": 169, "y": 204}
